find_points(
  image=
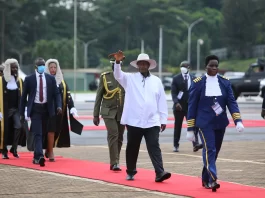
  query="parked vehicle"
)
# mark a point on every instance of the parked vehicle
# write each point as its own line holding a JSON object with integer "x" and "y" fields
{"x": 167, "y": 81}
{"x": 249, "y": 83}
{"x": 234, "y": 75}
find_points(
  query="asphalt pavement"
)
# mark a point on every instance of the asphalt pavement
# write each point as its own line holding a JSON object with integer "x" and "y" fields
{"x": 250, "y": 110}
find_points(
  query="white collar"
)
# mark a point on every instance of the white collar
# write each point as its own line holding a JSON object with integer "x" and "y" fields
{"x": 212, "y": 86}
{"x": 12, "y": 79}
{"x": 211, "y": 76}
{"x": 12, "y": 84}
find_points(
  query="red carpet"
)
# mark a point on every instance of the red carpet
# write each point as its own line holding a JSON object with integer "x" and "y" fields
{"x": 177, "y": 184}
{"x": 247, "y": 124}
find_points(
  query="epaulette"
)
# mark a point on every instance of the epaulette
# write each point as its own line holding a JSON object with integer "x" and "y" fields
{"x": 224, "y": 77}
{"x": 104, "y": 73}
{"x": 197, "y": 79}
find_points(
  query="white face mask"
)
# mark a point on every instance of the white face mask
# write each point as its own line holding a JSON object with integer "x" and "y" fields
{"x": 184, "y": 70}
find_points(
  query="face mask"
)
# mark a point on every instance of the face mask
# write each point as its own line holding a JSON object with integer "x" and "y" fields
{"x": 184, "y": 70}
{"x": 40, "y": 69}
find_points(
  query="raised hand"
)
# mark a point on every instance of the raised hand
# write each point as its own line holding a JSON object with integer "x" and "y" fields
{"x": 119, "y": 56}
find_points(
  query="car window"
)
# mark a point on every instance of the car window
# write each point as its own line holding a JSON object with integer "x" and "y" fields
{"x": 257, "y": 69}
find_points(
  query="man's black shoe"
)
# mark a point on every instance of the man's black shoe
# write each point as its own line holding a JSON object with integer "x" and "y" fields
{"x": 176, "y": 149}
{"x": 162, "y": 176}
{"x": 130, "y": 177}
{"x": 41, "y": 161}
{"x": 14, "y": 152}
{"x": 116, "y": 167}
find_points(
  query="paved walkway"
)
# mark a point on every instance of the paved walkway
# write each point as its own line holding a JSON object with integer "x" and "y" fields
{"x": 240, "y": 162}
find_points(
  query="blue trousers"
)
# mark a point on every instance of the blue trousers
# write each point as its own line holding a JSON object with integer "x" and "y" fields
{"x": 39, "y": 119}
{"x": 212, "y": 142}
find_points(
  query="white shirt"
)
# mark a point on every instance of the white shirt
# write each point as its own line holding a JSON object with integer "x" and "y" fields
{"x": 12, "y": 84}
{"x": 188, "y": 77}
{"x": 37, "y": 99}
{"x": 145, "y": 102}
{"x": 212, "y": 86}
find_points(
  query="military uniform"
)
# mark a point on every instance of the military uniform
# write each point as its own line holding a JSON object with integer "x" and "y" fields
{"x": 109, "y": 104}
{"x": 211, "y": 125}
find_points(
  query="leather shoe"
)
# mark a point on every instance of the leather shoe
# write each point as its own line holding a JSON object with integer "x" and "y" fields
{"x": 176, "y": 149}
{"x": 197, "y": 147}
{"x": 41, "y": 161}
{"x": 214, "y": 186}
{"x": 14, "y": 152}
{"x": 116, "y": 167}
{"x": 162, "y": 176}
{"x": 206, "y": 185}
{"x": 130, "y": 177}
{"x": 5, "y": 156}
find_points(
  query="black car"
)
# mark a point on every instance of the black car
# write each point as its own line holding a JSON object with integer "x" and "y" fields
{"x": 249, "y": 84}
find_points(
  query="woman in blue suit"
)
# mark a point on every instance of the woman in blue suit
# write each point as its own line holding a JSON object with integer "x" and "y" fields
{"x": 209, "y": 97}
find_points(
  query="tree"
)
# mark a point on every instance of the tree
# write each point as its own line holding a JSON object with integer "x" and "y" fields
{"x": 58, "y": 49}
{"x": 239, "y": 27}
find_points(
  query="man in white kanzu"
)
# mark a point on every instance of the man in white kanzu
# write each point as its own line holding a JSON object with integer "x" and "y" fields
{"x": 144, "y": 114}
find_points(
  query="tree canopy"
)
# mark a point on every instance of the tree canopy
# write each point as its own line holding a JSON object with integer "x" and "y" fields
{"x": 45, "y": 28}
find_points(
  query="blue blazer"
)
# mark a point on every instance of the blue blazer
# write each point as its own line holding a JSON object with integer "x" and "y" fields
{"x": 29, "y": 91}
{"x": 200, "y": 112}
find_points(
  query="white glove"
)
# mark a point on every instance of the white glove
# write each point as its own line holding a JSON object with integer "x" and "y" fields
{"x": 239, "y": 127}
{"x": 1, "y": 116}
{"x": 73, "y": 111}
{"x": 26, "y": 115}
{"x": 190, "y": 136}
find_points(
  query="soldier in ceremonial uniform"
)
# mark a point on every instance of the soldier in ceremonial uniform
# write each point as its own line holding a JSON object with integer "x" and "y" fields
{"x": 109, "y": 103}
{"x": 209, "y": 97}
{"x": 11, "y": 132}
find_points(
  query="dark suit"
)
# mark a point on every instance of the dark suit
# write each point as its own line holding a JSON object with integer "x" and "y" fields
{"x": 39, "y": 113}
{"x": 179, "y": 85}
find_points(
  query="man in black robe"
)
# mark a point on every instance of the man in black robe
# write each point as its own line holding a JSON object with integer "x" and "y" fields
{"x": 12, "y": 132}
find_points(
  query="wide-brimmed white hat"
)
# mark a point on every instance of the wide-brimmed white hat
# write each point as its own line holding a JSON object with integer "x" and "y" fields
{"x": 144, "y": 57}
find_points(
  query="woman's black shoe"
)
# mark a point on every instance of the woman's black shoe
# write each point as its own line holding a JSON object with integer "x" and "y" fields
{"x": 215, "y": 186}
{"x": 206, "y": 185}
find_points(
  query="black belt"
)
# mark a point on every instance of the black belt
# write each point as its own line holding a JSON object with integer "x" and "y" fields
{"x": 41, "y": 104}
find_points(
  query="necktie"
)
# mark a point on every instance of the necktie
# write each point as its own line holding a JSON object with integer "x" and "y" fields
{"x": 41, "y": 89}
{"x": 186, "y": 81}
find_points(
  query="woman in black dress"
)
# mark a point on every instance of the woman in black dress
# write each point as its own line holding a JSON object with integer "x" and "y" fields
{"x": 58, "y": 129}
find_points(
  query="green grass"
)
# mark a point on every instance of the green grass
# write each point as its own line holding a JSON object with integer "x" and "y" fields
{"x": 237, "y": 65}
